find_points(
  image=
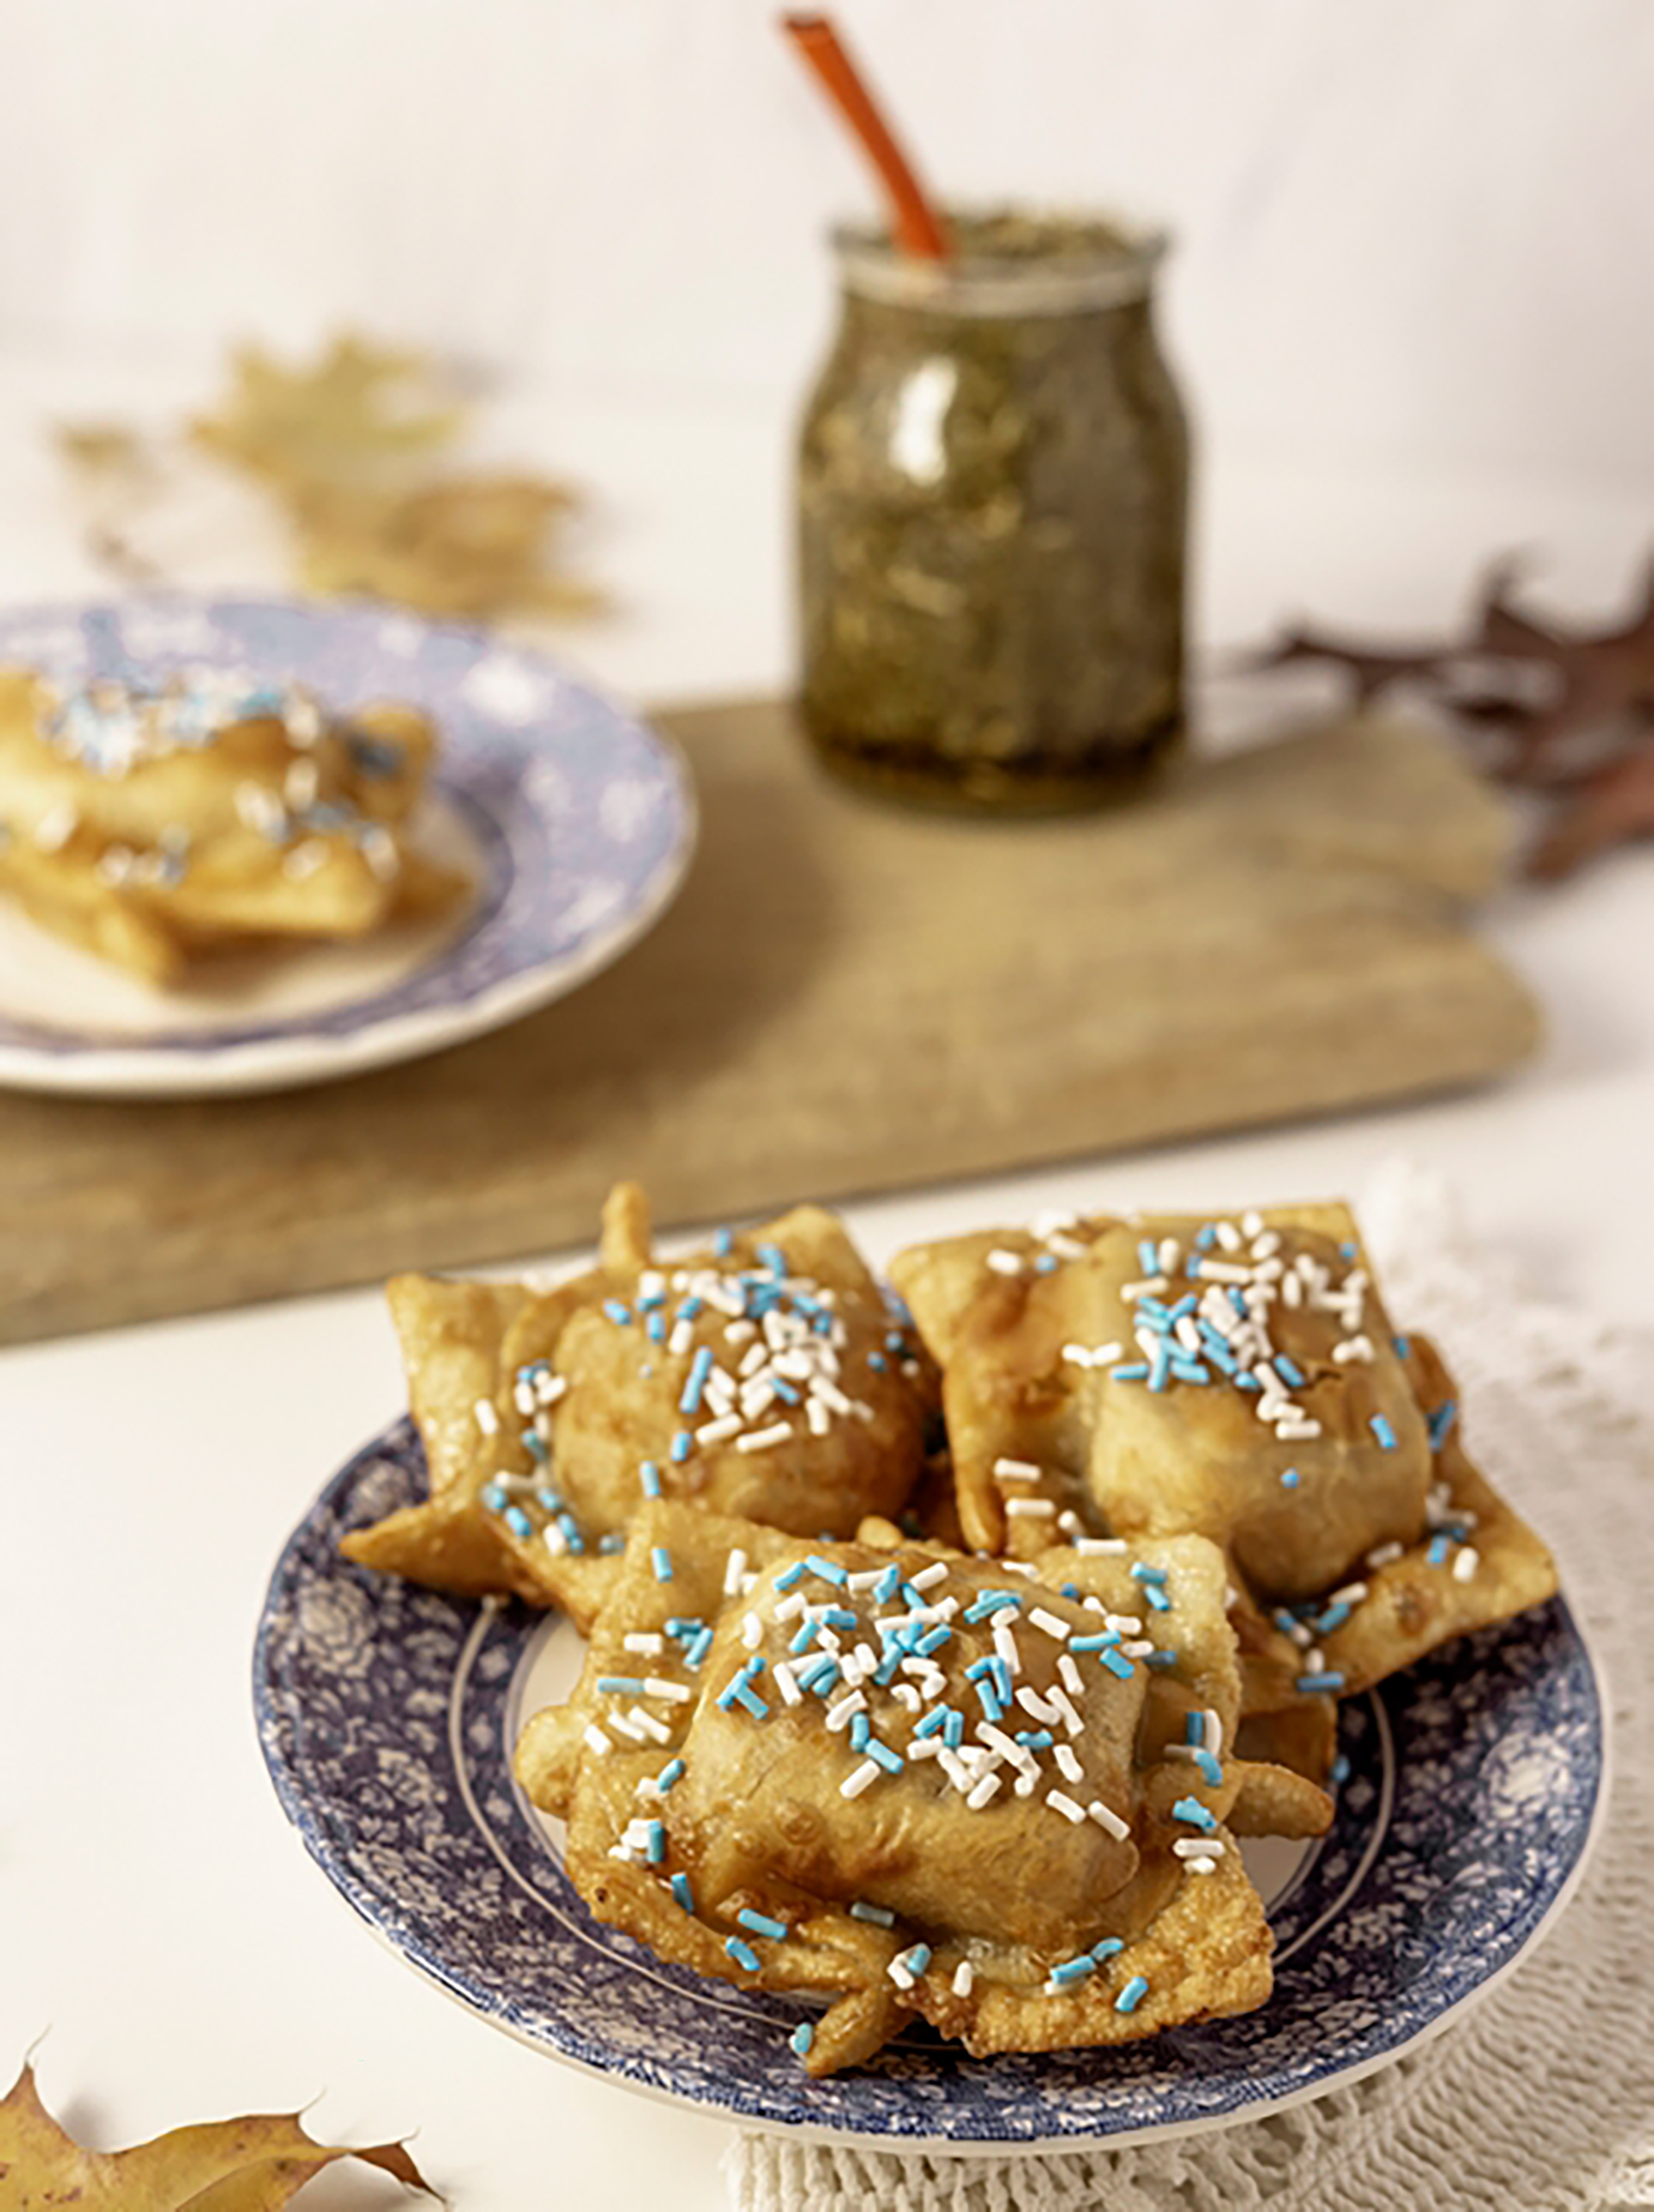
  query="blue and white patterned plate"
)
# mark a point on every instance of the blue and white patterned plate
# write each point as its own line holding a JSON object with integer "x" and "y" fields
{"x": 576, "y": 821}
{"x": 387, "y": 1714}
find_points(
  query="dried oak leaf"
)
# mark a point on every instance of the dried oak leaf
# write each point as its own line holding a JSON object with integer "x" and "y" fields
{"x": 252, "y": 2165}
{"x": 1610, "y": 809}
{"x": 362, "y": 413}
{"x": 464, "y": 545}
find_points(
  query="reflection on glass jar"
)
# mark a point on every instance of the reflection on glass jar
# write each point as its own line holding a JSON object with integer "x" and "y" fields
{"x": 992, "y": 487}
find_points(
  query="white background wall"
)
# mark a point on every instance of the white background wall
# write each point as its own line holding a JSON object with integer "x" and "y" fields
{"x": 1412, "y": 227}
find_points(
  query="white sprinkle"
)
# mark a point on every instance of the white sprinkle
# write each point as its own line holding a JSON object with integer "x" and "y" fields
{"x": 1150, "y": 1286}
{"x": 1229, "y": 1235}
{"x": 596, "y": 1740}
{"x": 1061, "y": 1803}
{"x": 1169, "y": 1254}
{"x": 304, "y": 860}
{"x": 816, "y": 1418}
{"x": 1068, "y": 1765}
{"x": 964, "y": 1977}
{"x": 864, "y": 1581}
{"x": 1212, "y": 1736}
{"x": 1252, "y": 1222}
{"x": 787, "y": 1683}
{"x": 644, "y": 1724}
{"x": 763, "y": 1440}
{"x": 792, "y": 1607}
{"x": 682, "y": 1336}
{"x": 1351, "y": 1594}
{"x": 1005, "y": 1645}
{"x": 900, "y": 1973}
{"x": 1048, "y": 1623}
{"x": 928, "y": 1577}
{"x": 1198, "y": 1846}
{"x": 674, "y": 1693}
{"x": 734, "y": 1567}
{"x": 1101, "y": 1547}
{"x": 838, "y": 1716}
{"x": 1108, "y": 1821}
{"x": 752, "y": 1631}
{"x": 485, "y": 1417}
{"x": 1066, "y": 1712}
{"x": 1353, "y": 1347}
{"x": 1009, "y": 1470}
{"x": 1033, "y": 1508}
{"x": 1204, "y": 1865}
{"x": 1069, "y": 1675}
{"x": 863, "y": 1779}
{"x": 907, "y": 1697}
{"x": 1296, "y": 1429}
{"x": 1004, "y": 1262}
{"x": 1033, "y": 1704}
{"x": 981, "y": 1791}
{"x": 646, "y": 1642}
{"x": 1385, "y": 1555}
{"x": 1465, "y": 1563}
{"x": 1223, "y": 1271}
{"x": 925, "y": 1747}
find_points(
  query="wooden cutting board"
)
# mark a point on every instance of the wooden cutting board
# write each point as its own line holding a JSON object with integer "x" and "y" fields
{"x": 845, "y": 997}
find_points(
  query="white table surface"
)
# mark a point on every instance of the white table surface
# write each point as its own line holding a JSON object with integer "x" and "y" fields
{"x": 161, "y": 1928}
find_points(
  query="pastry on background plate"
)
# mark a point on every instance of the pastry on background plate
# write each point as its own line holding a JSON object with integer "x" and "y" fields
{"x": 920, "y": 1784}
{"x": 764, "y": 1376}
{"x": 1240, "y": 1379}
{"x": 154, "y": 824}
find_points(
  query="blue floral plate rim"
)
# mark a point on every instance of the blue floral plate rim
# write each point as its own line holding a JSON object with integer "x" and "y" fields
{"x": 580, "y": 818}
{"x": 1390, "y": 1929}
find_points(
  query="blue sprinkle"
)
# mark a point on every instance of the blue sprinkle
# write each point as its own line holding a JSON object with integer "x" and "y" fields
{"x": 789, "y": 1575}
{"x": 1035, "y": 1739}
{"x": 650, "y": 1475}
{"x": 683, "y": 1892}
{"x": 882, "y": 1755}
{"x": 880, "y": 1916}
{"x": 1289, "y": 1372}
{"x": 1194, "y": 1728}
{"x": 1134, "y": 1371}
{"x": 916, "y": 1957}
{"x": 549, "y": 1498}
{"x": 1142, "y": 1574}
{"x": 990, "y": 1601}
{"x": 1205, "y": 1238}
{"x": 684, "y": 1624}
{"x": 752, "y": 1702}
{"x": 1340, "y": 1769}
{"x": 784, "y": 1389}
{"x": 1290, "y": 1479}
{"x": 535, "y": 1444}
{"x": 699, "y": 1367}
{"x": 806, "y": 1636}
{"x": 1243, "y": 1381}
{"x": 1158, "y": 1600}
{"x": 1187, "y": 1304}
{"x": 572, "y": 1533}
{"x": 887, "y": 1585}
{"x": 934, "y": 1719}
{"x": 700, "y": 1643}
{"x": 1437, "y": 1554}
{"x": 953, "y": 1734}
{"x": 518, "y": 1522}
{"x": 1334, "y": 1617}
{"x": 1381, "y": 1429}
{"x": 1103, "y": 1642}
{"x": 742, "y": 1953}
{"x": 1399, "y": 1343}
{"x": 1046, "y": 1264}
{"x": 1160, "y": 1367}
{"x": 940, "y": 1635}
{"x": 876, "y": 1361}
{"x": 493, "y": 1498}
{"x": 802, "y": 2037}
{"x": 1189, "y": 1371}
{"x": 828, "y": 1569}
{"x": 1107, "y": 1949}
{"x": 992, "y": 1709}
{"x": 895, "y": 1341}
{"x": 1161, "y": 1659}
{"x": 661, "y": 1560}
{"x": 837, "y": 1616}
{"x": 1192, "y": 1810}
{"x": 620, "y": 1686}
{"x": 1074, "y": 1970}
{"x": 654, "y": 1328}
{"x": 655, "y": 1847}
{"x": 612, "y": 1544}
{"x": 1132, "y": 1996}
{"x": 861, "y": 1731}
{"x": 692, "y": 1309}
{"x": 1072, "y": 1590}
{"x": 722, "y": 1242}
{"x": 1148, "y": 1258}
{"x": 1117, "y": 1663}
{"x": 1002, "y": 1681}
{"x": 672, "y": 1772}
{"x": 760, "y": 1924}
{"x": 1312, "y": 1685}
{"x": 884, "y": 1673}
{"x": 1212, "y": 1767}
{"x": 1154, "y": 1312}
{"x": 774, "y": 1258}
{"x": 1441, "y": 1422}
{"x": 682, "y": 1444}
{"x": 1348, "y": 1248}
{"x": 618, "y": 1311}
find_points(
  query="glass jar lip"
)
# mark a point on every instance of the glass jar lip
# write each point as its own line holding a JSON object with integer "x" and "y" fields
{"x": 872, "y": 267}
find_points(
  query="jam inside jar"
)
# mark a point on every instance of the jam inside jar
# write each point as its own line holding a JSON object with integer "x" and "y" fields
{"x": 992, "y": 495}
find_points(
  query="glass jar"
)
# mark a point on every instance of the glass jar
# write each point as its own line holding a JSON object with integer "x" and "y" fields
{"x": 993, "y": 494}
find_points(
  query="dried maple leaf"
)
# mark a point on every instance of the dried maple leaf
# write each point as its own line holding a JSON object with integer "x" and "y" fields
{"x": 1572, "y": 711}
{"x": 461, "y": 545}
{"x": 362, "y": 413}
{"x": 252, "y": 2165}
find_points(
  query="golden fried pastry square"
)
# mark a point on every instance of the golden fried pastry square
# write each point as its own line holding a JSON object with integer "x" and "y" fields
{"x": 765, "y": 1376}
{"x": 993, "y": 1795}
{"x": 153, "y": 824}
{"x": 1238, "y": 1378}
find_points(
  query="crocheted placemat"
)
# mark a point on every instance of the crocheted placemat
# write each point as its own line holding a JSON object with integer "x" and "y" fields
{"x": 1542, "y": 2098}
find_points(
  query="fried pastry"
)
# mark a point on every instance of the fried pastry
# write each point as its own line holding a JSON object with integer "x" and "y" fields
{"x": 150, "y": 824}
{"x": 765, "y": 1377}
{"x": 1238, "y": 1379}
{"x": 997, "y": 1797}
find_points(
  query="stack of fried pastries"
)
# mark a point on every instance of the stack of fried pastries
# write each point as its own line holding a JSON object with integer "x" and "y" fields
{"x": 941, "y": 1646}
